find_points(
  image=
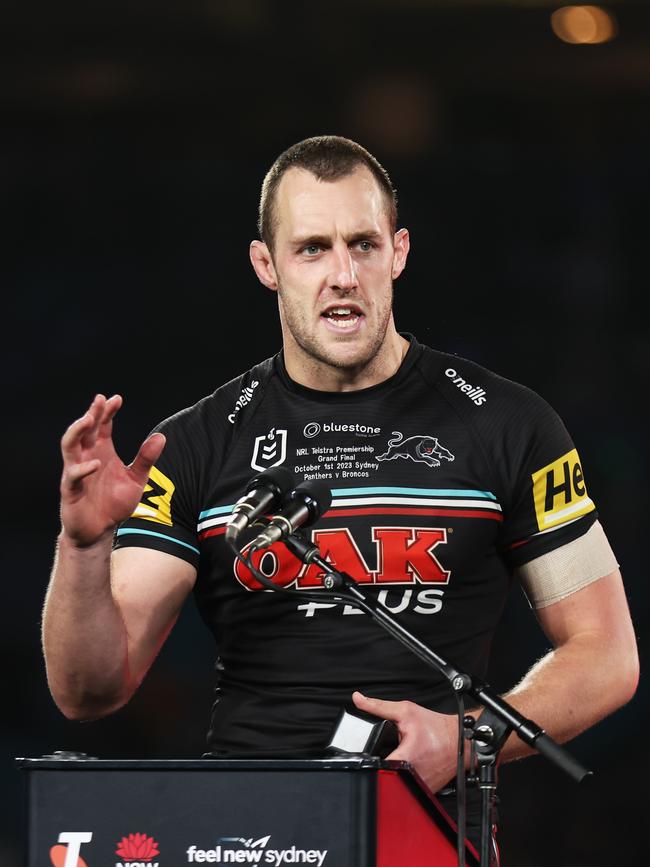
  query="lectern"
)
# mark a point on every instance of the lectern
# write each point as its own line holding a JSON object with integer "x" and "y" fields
{"x": 334, "y": 812}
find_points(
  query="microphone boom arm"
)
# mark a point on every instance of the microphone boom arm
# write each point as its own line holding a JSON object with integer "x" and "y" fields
{"x": 527, "y": 730}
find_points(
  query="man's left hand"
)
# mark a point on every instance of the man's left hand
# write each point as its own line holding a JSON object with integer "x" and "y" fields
{"x": 428, "y": 740}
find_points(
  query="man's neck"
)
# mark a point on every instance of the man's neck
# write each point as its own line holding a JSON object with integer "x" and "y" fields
{"x": 320, "y": 376}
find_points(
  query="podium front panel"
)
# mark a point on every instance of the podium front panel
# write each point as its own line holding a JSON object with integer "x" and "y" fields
{"x": 358, "y": 812}
{"x": 103, "y": 816}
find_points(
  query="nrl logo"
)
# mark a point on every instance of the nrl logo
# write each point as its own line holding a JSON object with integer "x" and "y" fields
{"x": 421, "y": 449}
{"x": 270, "y": 449}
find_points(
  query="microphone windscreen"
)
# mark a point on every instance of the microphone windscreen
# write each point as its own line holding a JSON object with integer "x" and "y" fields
{"x": 316, "y": 495}
{"x": 275, "y": 477}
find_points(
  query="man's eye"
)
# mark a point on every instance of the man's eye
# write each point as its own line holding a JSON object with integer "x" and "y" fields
{"x": 311, "y": 249}
{"x": 365, "y": 246}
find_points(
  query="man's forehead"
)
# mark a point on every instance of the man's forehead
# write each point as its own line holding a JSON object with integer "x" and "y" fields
{"x": 303, "y": 202}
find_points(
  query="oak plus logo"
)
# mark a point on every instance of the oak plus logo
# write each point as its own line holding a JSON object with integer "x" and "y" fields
{"x": 66, "y": 854}
{"x": 240, "y": 850}
{"x": 137, "y": 850}
{"x": 405, "y": 555}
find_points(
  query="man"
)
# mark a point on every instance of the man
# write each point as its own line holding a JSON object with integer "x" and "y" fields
{"x": 447, "y": 480}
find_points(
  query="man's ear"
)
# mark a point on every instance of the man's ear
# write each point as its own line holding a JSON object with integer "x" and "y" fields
{"x": 262, "y": 262}
{"x": 401, "y": 247}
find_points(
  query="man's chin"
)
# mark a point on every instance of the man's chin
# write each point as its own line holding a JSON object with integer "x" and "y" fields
{"x": 346, "y": 354}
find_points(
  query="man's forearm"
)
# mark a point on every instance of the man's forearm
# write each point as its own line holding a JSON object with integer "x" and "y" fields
{"x": 84, "y": 637}
{"x": 593, "y": 670}
{"x": 572, "y": 688}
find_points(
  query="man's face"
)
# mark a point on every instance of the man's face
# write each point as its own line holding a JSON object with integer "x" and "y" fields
{"x": 334, "y": 259}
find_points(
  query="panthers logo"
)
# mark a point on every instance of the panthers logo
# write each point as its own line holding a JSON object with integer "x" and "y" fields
{"x": 421, "y": 449}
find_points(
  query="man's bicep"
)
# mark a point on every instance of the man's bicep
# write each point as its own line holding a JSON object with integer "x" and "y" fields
{"x": 594, "y": 627}
{"x": 599, "y": 609}
{"x": 149, "y": 587}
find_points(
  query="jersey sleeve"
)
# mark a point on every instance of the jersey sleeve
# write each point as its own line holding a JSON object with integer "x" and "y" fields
{"x": 165, "y": 519}
{"x": 547, "y": 503}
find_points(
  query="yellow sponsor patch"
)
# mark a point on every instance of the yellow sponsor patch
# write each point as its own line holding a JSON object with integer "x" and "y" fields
{"x": 559, "y": 492}
{"x": 156, "y": 502}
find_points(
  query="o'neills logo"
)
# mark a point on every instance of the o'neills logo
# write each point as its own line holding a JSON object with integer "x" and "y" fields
{"x": 137, "y": 850}
{"x": 244, "y": 398}
{"x": 313, "y": 428}
{"x": 472, "y": 391}
{"x": 238, "y": 850}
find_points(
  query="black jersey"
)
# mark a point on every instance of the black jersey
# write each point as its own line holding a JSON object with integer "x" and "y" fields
{"x": 444, "y": 478}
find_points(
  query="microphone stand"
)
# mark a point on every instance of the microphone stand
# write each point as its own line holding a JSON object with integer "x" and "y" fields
{"x": 502, "y": 718}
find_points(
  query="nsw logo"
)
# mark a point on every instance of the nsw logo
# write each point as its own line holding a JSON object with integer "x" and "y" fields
{"x": 137, "y": 850}
{"x": 421, "y": 449}
{"x": 270, "y": 449}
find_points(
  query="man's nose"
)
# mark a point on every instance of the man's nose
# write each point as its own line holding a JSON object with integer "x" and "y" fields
{"x": 344, "y": 270}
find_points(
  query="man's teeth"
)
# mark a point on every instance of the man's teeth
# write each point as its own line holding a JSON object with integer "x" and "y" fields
{"x": 336, "y": 312}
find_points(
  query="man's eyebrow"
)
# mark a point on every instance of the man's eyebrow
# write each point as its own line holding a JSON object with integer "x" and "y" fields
{"x": 370, "y": 235}
{"x": 306, "y": 240}
{"x": 325, "y": 240}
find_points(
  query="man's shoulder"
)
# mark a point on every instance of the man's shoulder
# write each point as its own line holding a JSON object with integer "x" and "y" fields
{"x": 517, "y": 431}
{"x": 475, "y": 389}
{"x": 226, "y": 404}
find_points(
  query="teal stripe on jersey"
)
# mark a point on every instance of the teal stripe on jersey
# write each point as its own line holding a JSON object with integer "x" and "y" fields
{"x": 127, "y": 531}
{"x": 359, "y": 492}
{"x": 218, "y": 510}
{"x": 417, "y": 492}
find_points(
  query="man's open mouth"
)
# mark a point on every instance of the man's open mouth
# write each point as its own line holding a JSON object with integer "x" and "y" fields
{"x": 343, "y": 315}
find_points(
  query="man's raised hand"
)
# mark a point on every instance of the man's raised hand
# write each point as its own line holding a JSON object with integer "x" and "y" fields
{"x": 98, "y": 491}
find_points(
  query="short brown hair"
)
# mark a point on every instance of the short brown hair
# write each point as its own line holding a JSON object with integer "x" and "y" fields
{"x": 328, "y": 158}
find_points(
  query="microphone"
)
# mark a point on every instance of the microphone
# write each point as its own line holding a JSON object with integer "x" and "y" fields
{"x": 263, "y": 492}
{"x": 304, "y": 505}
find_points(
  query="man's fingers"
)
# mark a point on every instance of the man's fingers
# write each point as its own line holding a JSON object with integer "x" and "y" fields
{"x": 109, "y": 409}
{"x": 95, "y": 411}
{"x": 77, "y": 472}
{"x": 81, "y": 433}
{"x": 149, "y": 452}
{"x": 392, "y": 710}
{"x": 83, "y": 428}
{"x": 96, "y": 407}
{"x": 73, "y": 434}
{"x": 399, "y": 754}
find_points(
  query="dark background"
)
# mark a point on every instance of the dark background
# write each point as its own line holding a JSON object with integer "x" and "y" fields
{"x": 135, "y": 138}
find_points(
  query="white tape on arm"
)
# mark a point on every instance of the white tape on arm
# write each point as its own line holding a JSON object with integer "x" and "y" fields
{"x": 558, "y": 574}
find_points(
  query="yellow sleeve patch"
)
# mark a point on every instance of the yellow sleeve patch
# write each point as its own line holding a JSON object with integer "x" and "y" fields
{"x": 560, "y": 493}
{"x": 156, "y": 502}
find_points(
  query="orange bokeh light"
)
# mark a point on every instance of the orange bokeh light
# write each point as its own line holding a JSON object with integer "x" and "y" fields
{"x": 583, "y": 25}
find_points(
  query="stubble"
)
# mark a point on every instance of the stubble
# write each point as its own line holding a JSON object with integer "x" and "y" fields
{"x": 314, "y": 350}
